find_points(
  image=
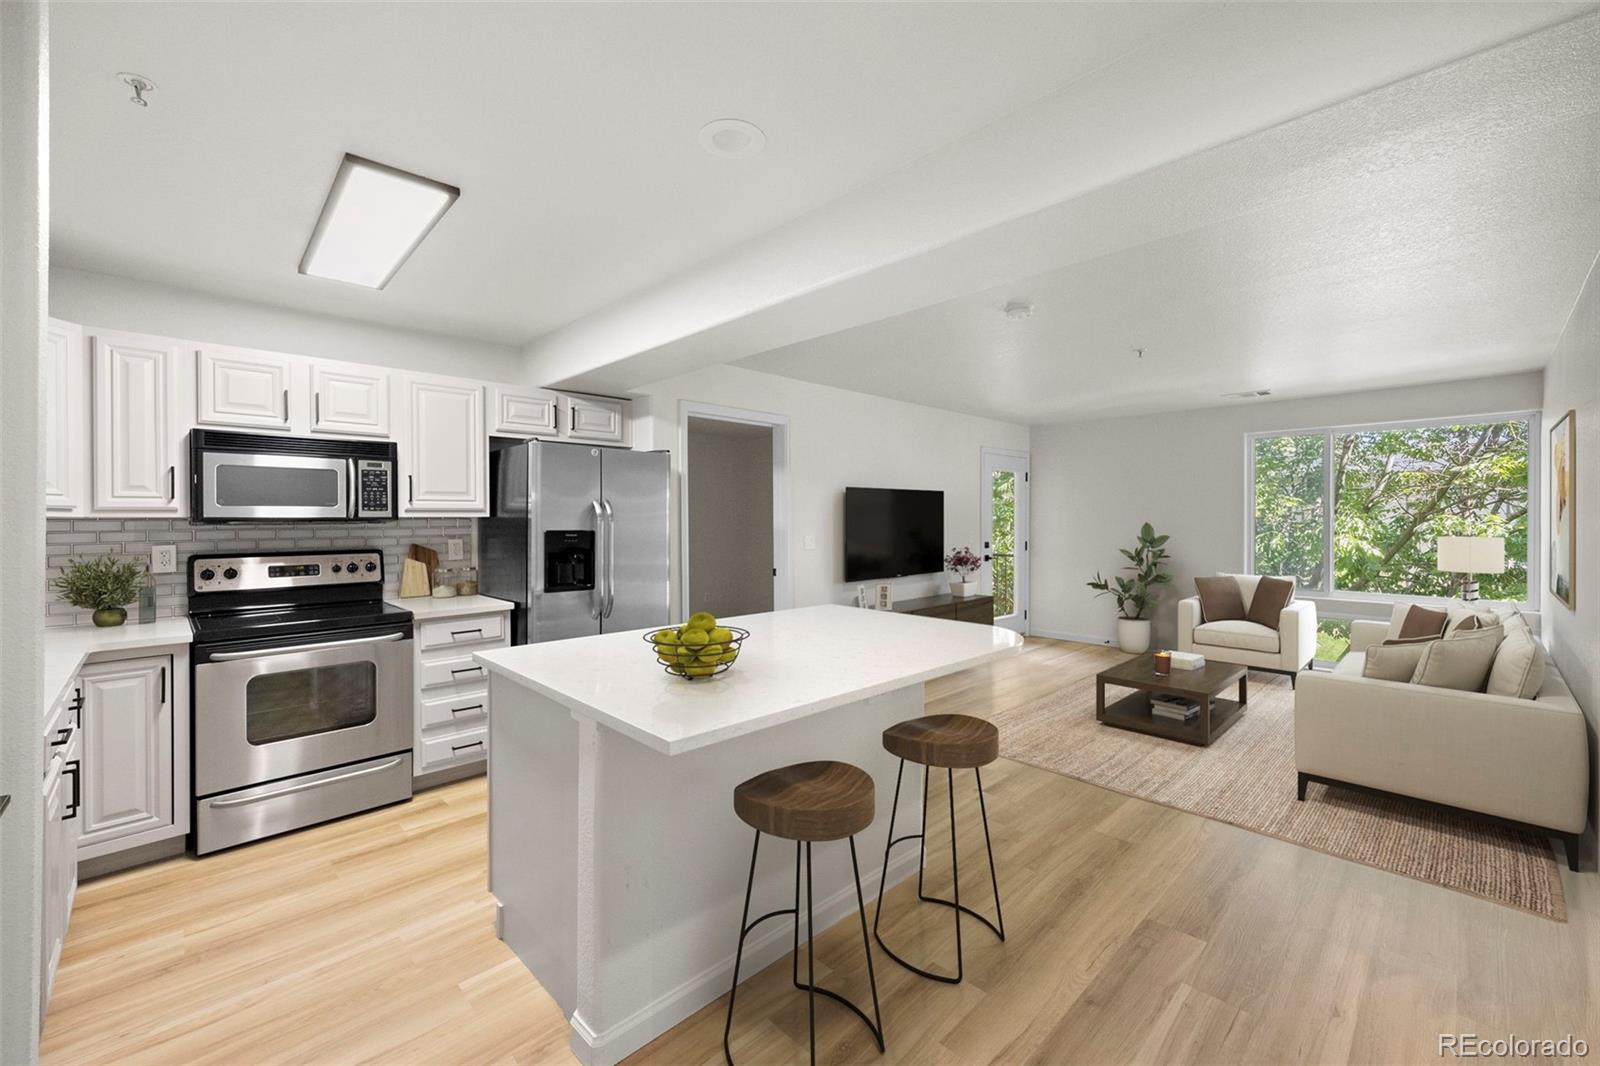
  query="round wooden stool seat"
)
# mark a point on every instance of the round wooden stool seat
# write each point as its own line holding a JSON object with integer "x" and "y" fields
{"x": 808, "y": 801}
{"x": 948, "y": 741}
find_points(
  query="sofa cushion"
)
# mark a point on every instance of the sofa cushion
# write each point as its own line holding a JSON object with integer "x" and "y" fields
{"x": 1220, "y": 599}
{"x": 1467, "y": 617}
{"x": 1272, "y": 595}
{"x": 1237, "y": 633}
{"x": 1393, "y": 662}
{"x": 1412, "y": 623}
{"x": 1247, "y": 588}
{"x": 1459, "y": 660}
{"x": 1518, "y": 668}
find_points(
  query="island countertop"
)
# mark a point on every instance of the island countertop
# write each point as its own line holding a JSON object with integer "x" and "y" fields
{"x": 795, "y": 663}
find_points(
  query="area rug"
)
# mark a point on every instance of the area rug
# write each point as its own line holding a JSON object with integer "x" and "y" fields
{"x": 1247, "y": 778}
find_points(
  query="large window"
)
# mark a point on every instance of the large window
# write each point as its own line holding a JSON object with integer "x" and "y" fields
{"x": 1395, "y": 490}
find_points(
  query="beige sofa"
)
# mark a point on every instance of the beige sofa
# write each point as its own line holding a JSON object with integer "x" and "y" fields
{"x": 1524, "y": 761}
{"x": 1285, "y": 650}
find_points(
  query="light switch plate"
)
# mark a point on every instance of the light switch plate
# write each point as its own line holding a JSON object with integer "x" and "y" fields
{"x": 163, "y": 559}
{"x": 453, "y": 547}
{"x": 810, "y": 543}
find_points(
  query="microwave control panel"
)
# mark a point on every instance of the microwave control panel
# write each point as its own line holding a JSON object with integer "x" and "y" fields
{"x": 374, "y": 489}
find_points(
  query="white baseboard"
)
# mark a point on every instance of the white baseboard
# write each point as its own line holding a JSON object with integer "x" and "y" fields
{"x": 1081, "y": 638}
{"x": 764, "y": 947}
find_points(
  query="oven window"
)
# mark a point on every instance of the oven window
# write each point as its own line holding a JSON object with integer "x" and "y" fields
{"x": 241, "y": 485}
{"x": 299, "y": 703}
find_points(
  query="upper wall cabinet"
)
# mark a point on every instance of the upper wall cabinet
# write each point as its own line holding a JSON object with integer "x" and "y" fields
{"x": 595, "y": 418}
{"x": 516, "y": 411}
{"x": 243, "y": 388}
{"x": 444, "y": 449}
{"x": 66, "y": 437}
{"x": 140, "y": 385}
{"x": 350, "y": 400}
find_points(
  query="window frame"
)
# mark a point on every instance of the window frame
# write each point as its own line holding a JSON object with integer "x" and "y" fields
{"x": 1328, "y": 590}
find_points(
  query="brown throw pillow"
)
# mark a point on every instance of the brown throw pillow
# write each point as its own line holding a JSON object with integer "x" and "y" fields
{"x": 1220, "y": 599}
{"x": 1273, "y": 594}
{"x": 1420, "y": 625}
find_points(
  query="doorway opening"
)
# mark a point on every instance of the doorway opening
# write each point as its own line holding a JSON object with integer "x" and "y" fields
{"x": 1006, "y": 495}
{"x": 734, "y": 554}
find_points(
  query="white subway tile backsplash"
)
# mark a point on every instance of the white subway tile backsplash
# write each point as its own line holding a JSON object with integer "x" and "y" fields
{"x": 69, "y": 538}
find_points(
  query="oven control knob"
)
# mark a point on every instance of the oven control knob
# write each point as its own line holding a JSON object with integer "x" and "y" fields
{"x": 371, "y": 567}
{"x": 207, "y": 574}
{"x": 336, "y": 568}
{"x": 230, "y": 573}
{"x": 354, "y": 566}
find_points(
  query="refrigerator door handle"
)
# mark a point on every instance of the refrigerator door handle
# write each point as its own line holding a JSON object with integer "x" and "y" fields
{"x": 597, "y": 595}
{"x": 610, "y": 598}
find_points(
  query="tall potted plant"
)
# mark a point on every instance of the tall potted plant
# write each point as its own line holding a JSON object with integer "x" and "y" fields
{"x": 1147, "y": 563}
{"x": 102, "y": 584}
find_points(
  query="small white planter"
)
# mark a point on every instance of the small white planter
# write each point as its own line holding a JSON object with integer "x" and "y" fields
{"x": 963, "y": 588}
{"x": 1133, "y": 635}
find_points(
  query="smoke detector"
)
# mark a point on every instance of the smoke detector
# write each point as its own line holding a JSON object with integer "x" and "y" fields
{"x": 139, "y": 84}
{"x": 1247, "y": 394}
{"x": 732, "y": 138}
{"x": 1017, "y": 310}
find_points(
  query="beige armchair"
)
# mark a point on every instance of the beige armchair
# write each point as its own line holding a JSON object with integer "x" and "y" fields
{"x": 1285, "y": 650}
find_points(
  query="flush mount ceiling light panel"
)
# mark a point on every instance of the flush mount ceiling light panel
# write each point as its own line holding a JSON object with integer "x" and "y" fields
{"x": 373, "y": 219}
{"x": 1017, "y": 310}
{"x": 732, "y": 138}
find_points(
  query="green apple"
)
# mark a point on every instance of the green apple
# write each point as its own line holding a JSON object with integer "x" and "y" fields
{"x": 701, "y": 620}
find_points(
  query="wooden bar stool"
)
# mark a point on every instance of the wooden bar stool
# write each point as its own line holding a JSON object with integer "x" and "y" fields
{"x": 806, "y": 802}
{"x": 950, "y": 742}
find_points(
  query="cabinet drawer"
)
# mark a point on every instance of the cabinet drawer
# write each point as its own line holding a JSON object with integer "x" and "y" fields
{"x": 450, "y": 749}
{"x": 459, "y": 708}
{"x": 448, "y": 632}
{"x": 450, "y": 670}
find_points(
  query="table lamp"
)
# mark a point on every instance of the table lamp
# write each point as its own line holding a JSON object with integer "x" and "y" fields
{"x": 1472, "y": 555}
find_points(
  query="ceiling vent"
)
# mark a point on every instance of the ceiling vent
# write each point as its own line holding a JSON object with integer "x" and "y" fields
{"x": 1248, "y": 394}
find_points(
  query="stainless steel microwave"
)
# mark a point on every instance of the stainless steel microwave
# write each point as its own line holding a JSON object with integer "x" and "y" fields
{"x": 249, "y": 477}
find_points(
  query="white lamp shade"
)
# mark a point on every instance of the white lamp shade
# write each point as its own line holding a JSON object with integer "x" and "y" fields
{"x": 1472, "y": 555}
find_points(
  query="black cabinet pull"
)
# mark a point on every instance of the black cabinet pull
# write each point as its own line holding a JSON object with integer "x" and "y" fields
{"x": 163, "y": 685}
{"x": 466, "y": 669}
{"x": 75, "y": 769}
{"x": 473, "y": 707}
{"x": 464, "y": 747}
{"x": 463, "y": 632}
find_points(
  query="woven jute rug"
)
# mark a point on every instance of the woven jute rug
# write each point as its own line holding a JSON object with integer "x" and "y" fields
{"x": 1247, "y": 778}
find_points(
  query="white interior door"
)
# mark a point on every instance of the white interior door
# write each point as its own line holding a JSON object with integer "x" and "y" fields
{"x": 1005, "y": 496}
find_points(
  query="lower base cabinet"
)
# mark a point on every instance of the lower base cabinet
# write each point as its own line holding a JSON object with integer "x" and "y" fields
{"x": 452, "y": 704}
{"x": 128, "y": 751}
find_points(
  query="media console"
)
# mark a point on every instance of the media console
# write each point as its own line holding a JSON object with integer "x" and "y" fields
{"x": 961, "y": 608}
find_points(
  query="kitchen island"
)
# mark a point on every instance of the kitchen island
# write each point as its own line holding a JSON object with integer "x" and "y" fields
{"x": 614, "y": 853}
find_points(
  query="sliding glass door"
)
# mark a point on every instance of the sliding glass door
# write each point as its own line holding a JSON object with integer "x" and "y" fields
{"x": 1004, "y": 494}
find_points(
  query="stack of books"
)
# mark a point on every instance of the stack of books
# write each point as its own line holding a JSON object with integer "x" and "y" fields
{"x": 1173, "y": 708}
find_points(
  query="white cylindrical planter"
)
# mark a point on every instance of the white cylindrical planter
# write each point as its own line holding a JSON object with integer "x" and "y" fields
{"x": 1133, "y": 634}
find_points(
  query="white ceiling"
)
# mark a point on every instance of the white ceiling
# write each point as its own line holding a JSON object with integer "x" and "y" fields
{"x": 571, "y": 130}
{"x": 1439, "y": 229}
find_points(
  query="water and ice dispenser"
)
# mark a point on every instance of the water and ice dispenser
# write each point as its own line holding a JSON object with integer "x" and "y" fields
{"x": 568, "y": 560}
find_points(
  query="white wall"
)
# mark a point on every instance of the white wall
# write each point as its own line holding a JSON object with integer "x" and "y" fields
{"x": 730, "y": 517}
{"x": 114, "y": 302}
{"x": 24, "y": 243}
{"x": 1095, "y": 482}
{"x": 838, "y": 438}
{"x": 1572, "y": 383}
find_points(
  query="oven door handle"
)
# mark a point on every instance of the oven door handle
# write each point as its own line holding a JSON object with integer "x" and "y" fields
{"x": 230, "y": 656}
{"x": 304, "y": 786}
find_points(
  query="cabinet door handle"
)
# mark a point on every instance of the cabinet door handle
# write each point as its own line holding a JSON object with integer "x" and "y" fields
{"x": 466, "y": 669}
{"x": 316, "y": 408}
{"x": 163, "y": 684}
{"x": 172, "y": 483}
{"x": 75, "y": 768}
{"x": 464, "y": 747}
{"x": 472, "y": 707}
{"x": 286, "y": 405}
{"x": 454, "y": 633}
{"x": 411, "y": 490}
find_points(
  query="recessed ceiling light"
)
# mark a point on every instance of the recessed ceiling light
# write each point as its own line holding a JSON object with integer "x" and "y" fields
{"x": 732, "y": 138}
{"x": 373, "y": 219}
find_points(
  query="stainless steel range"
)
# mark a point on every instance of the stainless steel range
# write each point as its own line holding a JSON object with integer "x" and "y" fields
{"x": 302, "y": 692}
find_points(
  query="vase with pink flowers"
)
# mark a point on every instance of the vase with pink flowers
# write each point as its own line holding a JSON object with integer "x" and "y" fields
{"x": 963, "y": 564}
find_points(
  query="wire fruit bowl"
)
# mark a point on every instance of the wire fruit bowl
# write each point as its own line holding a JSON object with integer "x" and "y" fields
{"x": 694, "y": 662}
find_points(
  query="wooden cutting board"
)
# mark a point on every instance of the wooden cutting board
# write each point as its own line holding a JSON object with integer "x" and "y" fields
{"x": 427, "y": 557}
{"x": 414, "y": 579}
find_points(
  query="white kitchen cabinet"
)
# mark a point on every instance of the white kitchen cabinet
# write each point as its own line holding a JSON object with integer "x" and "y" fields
{"x": 597, "y": 419}
{"x": 452, "y": 692}
{"x": 66, "y": 437}
{"x": 444, "y": 450}
{"x": 349, "y": 400}
{"x": 59, "y": 868}
{"x": 128, "y": 757}
{"x": 140, "y": 462}
{"x": 515, "y": 411}
{"x": 243, "y": 388}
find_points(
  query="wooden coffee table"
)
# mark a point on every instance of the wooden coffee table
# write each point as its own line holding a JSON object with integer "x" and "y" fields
{"x": 1132, "y": 711}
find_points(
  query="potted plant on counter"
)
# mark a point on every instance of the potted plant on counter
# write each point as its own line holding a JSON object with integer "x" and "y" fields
{"x": 1147, "y": 562}
{"x": 963, "y": 563}
{"x": 102, "y": 584}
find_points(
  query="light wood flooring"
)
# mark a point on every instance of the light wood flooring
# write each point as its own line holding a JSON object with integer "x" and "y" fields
{"x": 1136, "y": 933}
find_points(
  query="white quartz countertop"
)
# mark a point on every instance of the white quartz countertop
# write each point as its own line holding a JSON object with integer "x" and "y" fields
{"x": 795, "y": 663}
{"x": 426, "y": 608}
{"x": 66, "y": 647}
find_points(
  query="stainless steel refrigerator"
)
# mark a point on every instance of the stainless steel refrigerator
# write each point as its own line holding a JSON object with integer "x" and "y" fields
{"x": 577, "y": 537}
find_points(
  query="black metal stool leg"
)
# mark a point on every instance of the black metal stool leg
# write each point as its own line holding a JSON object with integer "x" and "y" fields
{"x": 811, "y": 958}
{"x": 738, "y": 955}
{"x": 955, "y": 876}
{"x": 866, "y": 947}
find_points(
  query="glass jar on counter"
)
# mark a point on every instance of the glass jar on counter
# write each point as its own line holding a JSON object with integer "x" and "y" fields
{"x": 466, "y": 581}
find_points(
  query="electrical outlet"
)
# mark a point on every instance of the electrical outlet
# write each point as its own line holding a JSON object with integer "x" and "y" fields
{"x": 163, "y": 559}
{"x": 811, "y": 543}
{"x": 453, "y": 548}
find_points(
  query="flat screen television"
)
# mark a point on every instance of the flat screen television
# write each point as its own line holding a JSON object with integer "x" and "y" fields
{"x": 892, "y": 533}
